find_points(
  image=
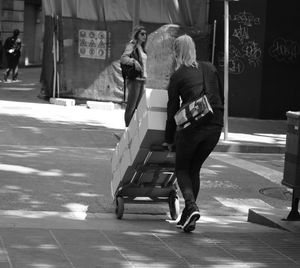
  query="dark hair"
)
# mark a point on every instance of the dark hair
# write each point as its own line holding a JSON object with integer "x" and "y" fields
{"x": 135, "y": 32}
{"x": 16, "y": 32}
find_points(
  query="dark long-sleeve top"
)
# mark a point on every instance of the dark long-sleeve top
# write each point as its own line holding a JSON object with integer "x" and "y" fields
{"x": 185, "y": 85}
{"x": 131, "y": 54}
{"x": 13, "y": 43}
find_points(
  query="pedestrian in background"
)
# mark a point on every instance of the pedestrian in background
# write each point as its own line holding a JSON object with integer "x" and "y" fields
{"x": 1, "y": 51}
{"x": 194, "y": 143}
{"x": 12, "y": 47}
{"x": 135, "y": 55}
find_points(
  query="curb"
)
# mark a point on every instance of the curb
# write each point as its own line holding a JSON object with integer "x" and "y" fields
{"x": 275, "y": 218}
{"x": 245, "y": 147}
{"x": 239, "y": 147}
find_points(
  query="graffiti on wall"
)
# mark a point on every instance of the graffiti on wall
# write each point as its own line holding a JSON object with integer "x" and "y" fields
{"x": 245, "y": 18}
{"x": 244, "y": 50}
{"x": 284, "y": 50}
{"x": 93, "y": 44}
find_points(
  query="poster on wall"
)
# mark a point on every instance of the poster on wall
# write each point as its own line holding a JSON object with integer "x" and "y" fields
{"x": 93, "y": 44}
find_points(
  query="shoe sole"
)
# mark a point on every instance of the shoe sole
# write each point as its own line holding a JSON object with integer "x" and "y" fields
{"x": 190, "y": 224}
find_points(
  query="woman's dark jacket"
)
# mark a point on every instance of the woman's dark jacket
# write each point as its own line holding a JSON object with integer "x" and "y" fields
{"x": 131, "y": 54}
{"x": 186, "y": 84}
{"x": 13, "y": 43}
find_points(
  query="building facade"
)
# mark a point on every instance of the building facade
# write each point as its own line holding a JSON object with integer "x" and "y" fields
{"x": 27, "y": 16}
{"x": 264, "y": 56}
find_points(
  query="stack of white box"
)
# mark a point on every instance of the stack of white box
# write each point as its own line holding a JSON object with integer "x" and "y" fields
{"x": 146, "y": 128}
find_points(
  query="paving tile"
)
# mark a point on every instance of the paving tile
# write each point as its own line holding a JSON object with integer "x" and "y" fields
{"x": 267, "y": 260}
{"x": 39, "y": 264}
{"x": 33, "y": 258}
{"x": 154, "y": 254}
{"x": 94, "y": 248}
{"x": 4, "y": 264}
{"x": 156, "y": 265}
{"x": 3, "y": 254}
{"x": 275, "y": 265}
{"x": 252, "y": 252}
{"x": 146, "y": 250}
{"x": 202, "y": 252}
{"x": 80, "y": 237}
{"x": 281, "y": 238}
{"x": 183, "y": 239}
{"x": 92, "y": 261}
{"x": 32, "y": 248}
{"x": 4, "y": 261}
{"x": 132, "y": 237}
{"x": 226, "y": 264}
{"x": 157, "y": 255}
{"x": 89, "y": 248}
{"x": 108, "y": 265}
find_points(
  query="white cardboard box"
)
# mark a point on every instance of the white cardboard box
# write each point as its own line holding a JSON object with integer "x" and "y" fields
{"x": 116, "y": 179}
{"x": 146, "y": 127}
{"x": 125, "y": 162}
{"x": 123, "y": 143}
{"x": 115, "y": 159}
{"x": 152, "y": 99}
{"x": 133, "y": 126}
{"x": 152, "y": 116}
{"x": 152, "y": 129}
{"x": 137, "y": 153}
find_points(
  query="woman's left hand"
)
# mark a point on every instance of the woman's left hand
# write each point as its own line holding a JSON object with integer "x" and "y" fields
{"x": 169, "y": 145}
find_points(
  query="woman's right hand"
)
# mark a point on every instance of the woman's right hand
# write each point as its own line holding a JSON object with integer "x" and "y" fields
{"x": 170, "y": 146}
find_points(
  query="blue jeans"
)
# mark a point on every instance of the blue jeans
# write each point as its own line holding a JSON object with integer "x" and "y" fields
{"x": 192, "y": 149}
{"x": 135, "y": 92}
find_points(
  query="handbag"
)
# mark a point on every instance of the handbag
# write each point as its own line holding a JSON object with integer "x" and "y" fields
{"x": 198, "y": 109}
{"x": 129, "y": 71}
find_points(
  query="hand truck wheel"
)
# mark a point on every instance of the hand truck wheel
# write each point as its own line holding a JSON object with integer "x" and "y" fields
{"x": 174, "y": 206}
{"x": 119, "y": 207}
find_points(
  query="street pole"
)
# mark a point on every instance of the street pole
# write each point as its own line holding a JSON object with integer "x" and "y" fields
{"x": 226, "y": 60}
{"x": 0, "y": 15}
{"x": 214, "y": 43}
{"x": 226, "y": 57}
{"x": 136, "y": 13}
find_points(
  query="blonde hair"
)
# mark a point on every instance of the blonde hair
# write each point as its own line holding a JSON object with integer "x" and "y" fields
{"x": 185, "y": 51}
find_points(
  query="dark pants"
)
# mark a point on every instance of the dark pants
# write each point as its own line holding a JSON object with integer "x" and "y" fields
{"x": 12, "y": 64}
{"x": 1, "y": 54}
{"x": 135, "y": 90}
{"x": 192, "y": 149}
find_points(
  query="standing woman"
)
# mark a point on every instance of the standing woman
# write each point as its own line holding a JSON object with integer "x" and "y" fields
{"x": 195, "y": 142}
{"x": 135, "y": 55}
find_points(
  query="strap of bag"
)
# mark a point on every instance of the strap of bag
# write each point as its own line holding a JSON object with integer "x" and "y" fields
{"x": 204, "y": 92}
{"x": 219, "y": 84}
{"x": 188, "y": 111}
{"x": 124, "y": 87}
{"x": 204, "y": 83}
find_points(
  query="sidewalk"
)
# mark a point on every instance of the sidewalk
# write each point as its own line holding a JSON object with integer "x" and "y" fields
{"x": 142, "y": 241}
{"x": 244, "y": 134}
{"x": 83, "y": 240}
